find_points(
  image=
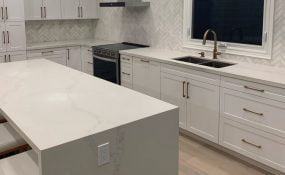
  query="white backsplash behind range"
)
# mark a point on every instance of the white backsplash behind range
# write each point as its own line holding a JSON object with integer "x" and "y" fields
{"x": 161, "y": 26}
{"x": 59, "y": 30}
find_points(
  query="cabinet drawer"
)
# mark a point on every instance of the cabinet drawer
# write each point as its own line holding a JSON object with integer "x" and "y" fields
{"x": 87, "y": 67}
{"x": 126, "y": 59}
{"x": 45, "y": 53}
{"x": 270, "y": 92}
{"x": 259, "y": 112}
{"x": 126, "y": 73}
{"x": 256, "y": 144}
{"x": 87, "y": 54}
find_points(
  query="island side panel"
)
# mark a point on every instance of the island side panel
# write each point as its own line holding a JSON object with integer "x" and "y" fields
{"x": 148, "y": 146}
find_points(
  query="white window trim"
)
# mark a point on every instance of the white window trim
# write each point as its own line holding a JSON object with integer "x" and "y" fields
{"x": 264, "y": 51}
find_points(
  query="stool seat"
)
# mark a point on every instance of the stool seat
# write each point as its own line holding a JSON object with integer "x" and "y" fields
{"x": 9, "y": 138}
{"x": 21, "y": 164}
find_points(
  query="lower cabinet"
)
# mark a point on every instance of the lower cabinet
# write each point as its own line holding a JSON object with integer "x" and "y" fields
{"x": 74, "y": 58}
{"x": 146, "y": 77}
{"x": 198, "y": 103}
{"x": 57, "y": 55}
{"x": 12, "y": 56}
{"x": 87, "y": 60}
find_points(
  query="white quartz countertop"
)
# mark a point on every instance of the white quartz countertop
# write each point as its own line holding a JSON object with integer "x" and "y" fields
{"x": 50, "y": 104}
{"x": 267, "y": 75}
{"x": 68, "y": 43}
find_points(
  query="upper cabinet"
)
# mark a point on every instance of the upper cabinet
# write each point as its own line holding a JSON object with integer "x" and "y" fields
{"x": 79, "y": 9}
{"x": 12, "y": 10}
{"x": 42, "y": 9}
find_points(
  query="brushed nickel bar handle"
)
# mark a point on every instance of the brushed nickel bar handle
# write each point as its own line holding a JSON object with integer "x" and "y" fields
{"x": 247, "y": 142}
{"x": 4, "y": 37}
{"x": 9, "y": 58}
{"x": 47, "y": 52}
{"x": 254, "y": 89}
{"x": 89, "y": 62}
{"x": 2, "y": 13}
{"x": 5, "y": 58}
{"x": 188, "y": 90}
{"x": 81, "y": 12}
{"x": 145, "y": 61}
{"x": 250, "y": 111}
{"x": 45, "y": 12}
{"x": 8, "y": 37}
{"x": 6, "y": 13}
{"x": 127, "y": 59}
{"x": 68, "y": 54}
{"x": 41, "y": 12}
{"x": 126, "y": 73}
{"x": 183, "y": 93}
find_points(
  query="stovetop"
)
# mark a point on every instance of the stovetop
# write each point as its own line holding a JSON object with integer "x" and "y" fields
{"x": 112, "y": 50}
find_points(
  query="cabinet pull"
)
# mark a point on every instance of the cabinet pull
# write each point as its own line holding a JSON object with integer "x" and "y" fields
{"x": 6, "y": 12}
{"x": 2, "y": 13}
{"x": 9, "y": 58}
{"x": 183, "y": 93}
{"x": 41, "y": 12}
{"x": 89, "y": 62}
{"x": 188, "y": 90}
{"x": 126, "y": 73}
{"x": 81, "y": 12}
{"x": 45, "y": 12}
{"x": 256, "y": 113}
{"x": 8, "y": 37}
{"x": 127, "y": 59}
{"x": 4, "y": 37}
{"x": 47, "y": 52}
{"x": 68, "y": 54}
{"x": 5, "y": 58}
{"x": 145, "y": 61}
{"x": 254, "y": 89}
{"x": 78, "y": 11}
{"x": 247, "y": 142}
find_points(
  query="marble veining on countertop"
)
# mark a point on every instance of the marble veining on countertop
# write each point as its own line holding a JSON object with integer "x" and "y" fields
{"x": 263, "y": 74}
{"x": 67, "y": 43}
{"x": 50, "y": 104}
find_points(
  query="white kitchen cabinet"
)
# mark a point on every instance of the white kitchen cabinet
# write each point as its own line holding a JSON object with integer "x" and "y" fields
{"x": 17, "y": 56}
{"x": 42, "y": 9}
{"x": 146, "y": 77}
{"x": 89, "y": 9}
{"x": 2, "y": 60}
{"x": 173, "y": 91}
{"x": 197, "y": 96}
{"x": 15, "y": 36}
{"x": 203, "y": 109}
{"x": 87, "y": 60}
{"x": 74, "y": 58}
{"x": 57, "y": 55}
{"x": 3, "y": 45}
{"x": 70, "y": 9}
{"x": 79, "y": 9}
{"x": 12, "y": 10}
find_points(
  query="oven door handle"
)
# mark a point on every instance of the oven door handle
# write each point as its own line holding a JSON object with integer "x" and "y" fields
{"x": 105, "y": 59}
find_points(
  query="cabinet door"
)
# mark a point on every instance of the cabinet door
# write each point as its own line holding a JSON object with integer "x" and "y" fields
{"x": 203, "y": 110}
{"x": 70, "y": 9}
{"x": 15, "y": 36}
{"x": 52, "y": 9}
{"x": 146, "y": 77}
{"x": 17, "y": 56}
{"x": 2, "y": 37}
{"x": 89, "y": 9}
{"x": 33, "y": 9}
{"x": 14, "y": 10}
{"x": 74, "y": 58}
{"x": 173, "y": 91}
{"x": 2, "y": 60}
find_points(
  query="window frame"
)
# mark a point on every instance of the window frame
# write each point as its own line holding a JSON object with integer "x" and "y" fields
{"x": 264, "y": 51}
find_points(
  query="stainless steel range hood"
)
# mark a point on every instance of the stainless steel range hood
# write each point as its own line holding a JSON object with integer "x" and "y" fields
{"x": 124, "y": 3}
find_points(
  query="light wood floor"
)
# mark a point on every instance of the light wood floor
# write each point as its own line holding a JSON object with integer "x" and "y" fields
{"x": 196, "y": 158}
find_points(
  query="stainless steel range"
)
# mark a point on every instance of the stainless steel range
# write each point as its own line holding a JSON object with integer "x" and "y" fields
{"x": 106, "y": 60}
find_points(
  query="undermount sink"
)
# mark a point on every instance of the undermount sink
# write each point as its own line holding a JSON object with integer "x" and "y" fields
{"x": 204, "y": 62}
{"x": 217, "y": 64}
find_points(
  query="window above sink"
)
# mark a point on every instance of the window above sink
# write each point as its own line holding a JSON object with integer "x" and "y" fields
{"x": 243, "y": 27}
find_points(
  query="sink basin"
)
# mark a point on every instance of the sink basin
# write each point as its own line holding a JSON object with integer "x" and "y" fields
{"x": 217, "y": 64}
{"x": 192, "y": 60}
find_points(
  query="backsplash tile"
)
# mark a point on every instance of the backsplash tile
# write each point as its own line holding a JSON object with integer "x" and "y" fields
{"x": 161, "y": 26}
{"x": 58, "y": 30}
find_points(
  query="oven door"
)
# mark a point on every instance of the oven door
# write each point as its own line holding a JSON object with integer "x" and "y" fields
{"x": 107, "y": 68}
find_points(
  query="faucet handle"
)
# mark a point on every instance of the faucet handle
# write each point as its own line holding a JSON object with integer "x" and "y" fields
{"x": 202, "y": 54}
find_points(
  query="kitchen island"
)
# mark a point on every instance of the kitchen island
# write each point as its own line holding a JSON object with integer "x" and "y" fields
{"x": 66, "y": 116}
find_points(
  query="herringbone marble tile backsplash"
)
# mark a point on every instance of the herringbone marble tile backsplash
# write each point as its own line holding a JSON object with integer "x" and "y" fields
{"x": 159, "y": 26}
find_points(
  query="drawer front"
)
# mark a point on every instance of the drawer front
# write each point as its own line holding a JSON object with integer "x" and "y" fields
{"x": 87, "y": 54}
{"x": 126, "y": 73}
{"x": 256, "y": 144}
{"x": 126, "y": 84}
{"x": 126, "y": 59}
{"x": 259, "y": 112}
{"x": 87, "y": 67}
{"x": 45, "y": 53}
{"x": 254, "y": 88}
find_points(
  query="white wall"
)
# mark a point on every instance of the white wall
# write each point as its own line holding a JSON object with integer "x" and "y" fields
{"x": 161, "y": 26}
